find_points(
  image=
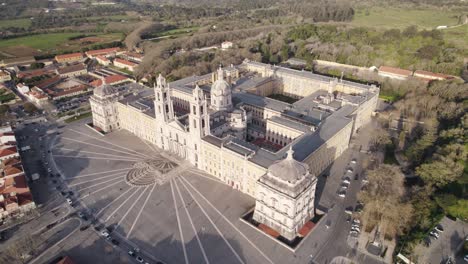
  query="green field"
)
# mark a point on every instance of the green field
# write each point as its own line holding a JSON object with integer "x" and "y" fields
{"x": 19, "y": 23}
{"x": 177, "y": 31}
{"x": 401, "y": 18}
{"x": 41, "y": 41}
{"x": 457, "y": 36}
{"x": 53, "y": 41}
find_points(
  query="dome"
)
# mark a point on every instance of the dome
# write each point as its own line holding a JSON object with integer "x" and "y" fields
{"x": 104, "y": 90}
{"x": 220, "y": 86}
{"x": 289, "y": 169}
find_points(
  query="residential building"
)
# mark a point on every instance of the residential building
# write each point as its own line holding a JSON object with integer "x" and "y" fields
{"x": 103, "y": 60}
{"x": 67, "y": 58}
{"x": 430, "y": 76}
{"x": 125, "y": 64}
{"x": 110, "y": 52}
{"x": 72, "y": 70}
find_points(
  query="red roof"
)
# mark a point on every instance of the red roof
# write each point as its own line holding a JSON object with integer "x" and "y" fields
{"x": 432, "y": 74}
{"x": 102, "y": 58}
{"x": 109, "y": 80}
{"x": 48, "y": 82}
{"x": 12, "y": 170}
{"x": 68, "y": 56}
{"x": 11, "y": 161}
{"x": 70, "y": 90}
{"x": 66, "y": 260}
{"x": 394, "y": 70}
{"x": 269, "y": 230}
{"x": 134, "y": 55}
{"x": 306, "y": 228}
{"x": 102, "y": 51}
{"x": 125, "y": 62}
{"x": 8, "y": 151}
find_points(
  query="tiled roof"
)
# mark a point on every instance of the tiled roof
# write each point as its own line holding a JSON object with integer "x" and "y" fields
{"x": 432, "y": 74}
{"x": 68, "y": 56}
{"x": 102, "y": 51}
{"x": 71, "y": 68}
{"x": 109, "y": 80}
{"x": 394, "y": 70}
{"x": 8, "y": 151}
{"x": 100, "y": 57}
{"x": 125, "y": 62}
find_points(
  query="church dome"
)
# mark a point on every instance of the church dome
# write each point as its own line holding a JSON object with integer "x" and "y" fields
{"x": 289, "y": 169}
{"x": 220, "y": 86}
{"x": 104, "y": 90}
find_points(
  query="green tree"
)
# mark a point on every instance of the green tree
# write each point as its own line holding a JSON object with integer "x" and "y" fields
{"x": 29, "y": 107}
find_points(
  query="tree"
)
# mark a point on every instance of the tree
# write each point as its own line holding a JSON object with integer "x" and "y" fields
{"x": 29, "y": 107}
{"x": 380, "y": 138}
{"x": 384, "y": 204}
{"x": 36, "y": 65}
{"x": 4, "y": 109}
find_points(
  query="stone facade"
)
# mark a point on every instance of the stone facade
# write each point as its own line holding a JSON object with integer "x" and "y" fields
{"x": 222, "y": 124}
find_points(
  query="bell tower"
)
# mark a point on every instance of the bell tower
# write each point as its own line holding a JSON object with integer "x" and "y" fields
{"x": 199, "y": 122}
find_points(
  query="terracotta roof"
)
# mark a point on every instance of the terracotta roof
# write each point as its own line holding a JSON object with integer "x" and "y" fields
{"x": 125, "y": 62}
{"x": 102, "y": 58}
{"x": 109, "y": 80}
{"x": 15, "y": 184}
{"x": 71, "y": 68}
{"x": 11, "y": 161}
{"x": 13, "y": 170}
{"x": 432, "y": 74}
{"x": 66, "y": 260}
{"x": 306, "y": 228}
{"x": 48, "y": 82}
{"x": 8, "y": 151}
{"x": 102, "y": 51}
{"x": 268, "y": 230}
{"x": 68, "y": 56}
{"x": 394, "y": 70}
{"x": 71, "y": 90}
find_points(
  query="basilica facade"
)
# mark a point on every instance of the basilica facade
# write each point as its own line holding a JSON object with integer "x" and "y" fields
{"x": 227, "y": 124}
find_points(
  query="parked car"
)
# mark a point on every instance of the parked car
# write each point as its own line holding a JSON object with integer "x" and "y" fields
{"x": 434, "y": 234}
{"x": 353, "y": 233}
{"x": 439, "y": 228}
{"x": 115, "y": 242}
{"x": 342, "y": 194}
{"x": 347, "y": 180}
{"x": 353, "y": 161}
{"x": 131, "y": 253}
{"x": 349, "y": 210}
{"x": 69, "y": 201}
{"x": 139, "y": 259}
{"x": 105, "y": 234}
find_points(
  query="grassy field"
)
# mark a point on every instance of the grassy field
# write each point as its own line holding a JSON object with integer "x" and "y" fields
{"x": 458, "y": 36}
{"x": 53, "y": 42}
{"x": 19, "y": 23}
{"x": 178, "y": 31}
{"x": 401, "y": 18}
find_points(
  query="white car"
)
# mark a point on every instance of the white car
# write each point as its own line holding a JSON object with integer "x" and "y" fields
{"x": 353, "y": 161}
{"x": 434, "y": 234}
{"x": 350, "y": 170}
{"x": 105, "y": 234}
{"x": 342, "y": 194}
{"x": 346, "y": 180}
{"x": 69, "y": 201}
{"x": 356, "y": 221}
{"x": 356, "y": 229}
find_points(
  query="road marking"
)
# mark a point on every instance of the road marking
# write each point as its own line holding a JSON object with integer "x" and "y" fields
{"x": 213, "y": 224}
{"x": 118, "y": 208}
{"x": 204, "y": 176}
{"x": 98, "y": 153}
{"x": 95, "y": 158}
{"x": 182, "y": 240}
{"x": 231, "y": 224}
{"x": 96, "y": 179}
{"x": 99, "y": 146}
{"x": 141, "y": 210}
{"x": 60, "y": 241}
{"x": 100, "y": 189}
{"x": 107, "y": 206}
{"x": 91, "y": 186}
{"x": 134, "y": 203}
{"x": 151, "y": 148}
{"x": 95, "y": 173}
{"x": 191, "y": 222}
{"x": 115, "y": 145}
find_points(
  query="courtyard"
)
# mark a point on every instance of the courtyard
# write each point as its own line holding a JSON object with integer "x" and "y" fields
{"x": 168, "y": 209}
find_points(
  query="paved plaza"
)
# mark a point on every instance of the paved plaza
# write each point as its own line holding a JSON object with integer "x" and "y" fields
{"x": 167, "y": 208}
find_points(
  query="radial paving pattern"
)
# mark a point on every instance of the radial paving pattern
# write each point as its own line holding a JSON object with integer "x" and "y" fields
{"x": 150, "y": 171}
{"x": 156, "y": 201}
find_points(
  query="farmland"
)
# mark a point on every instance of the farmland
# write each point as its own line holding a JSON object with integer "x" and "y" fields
{"x": 52, "y": 43}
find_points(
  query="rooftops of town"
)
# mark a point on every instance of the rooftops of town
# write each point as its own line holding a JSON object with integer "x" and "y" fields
{"x": 69, "y": 56}
{"x": 102, "y": 51}
{"x": 125, "y": 62}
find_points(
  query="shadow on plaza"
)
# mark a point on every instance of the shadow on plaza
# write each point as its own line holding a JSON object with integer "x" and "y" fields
{"x": 168, "y": 250}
